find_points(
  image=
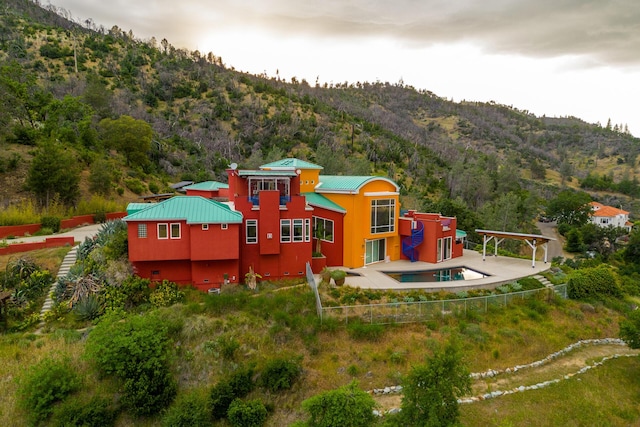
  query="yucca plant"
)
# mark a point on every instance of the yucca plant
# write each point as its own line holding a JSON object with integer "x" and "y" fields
{"x": 88, "y": 308}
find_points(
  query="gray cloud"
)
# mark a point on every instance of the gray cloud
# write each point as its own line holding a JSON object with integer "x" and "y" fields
{"x": 603, "y": 31}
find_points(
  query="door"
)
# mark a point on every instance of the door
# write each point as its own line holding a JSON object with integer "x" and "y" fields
{"x": 375, "y": 251}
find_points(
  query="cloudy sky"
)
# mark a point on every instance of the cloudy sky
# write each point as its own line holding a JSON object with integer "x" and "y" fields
{"x": 555, "y": 57}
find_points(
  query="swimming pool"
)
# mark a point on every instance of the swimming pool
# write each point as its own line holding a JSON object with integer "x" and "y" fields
{"x": 440, "y": 275}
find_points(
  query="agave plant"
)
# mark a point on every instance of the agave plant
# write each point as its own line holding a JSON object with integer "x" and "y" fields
{"x": 88, "y": 308}
{"x": 85, "y": 287}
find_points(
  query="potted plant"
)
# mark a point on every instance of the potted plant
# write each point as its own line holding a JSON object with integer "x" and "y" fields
{"x": 325, "y": 275}
{"x": 338, "y": 277}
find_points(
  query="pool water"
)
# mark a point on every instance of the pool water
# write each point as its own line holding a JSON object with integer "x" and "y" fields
{"x": 441, "y": 275}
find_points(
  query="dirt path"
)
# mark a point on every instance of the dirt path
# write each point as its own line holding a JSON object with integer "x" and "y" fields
{"x": 566, "y": 365}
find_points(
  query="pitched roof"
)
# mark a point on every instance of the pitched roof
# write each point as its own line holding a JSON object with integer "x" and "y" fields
{"x": 192, "y": 209}
{"x": 319, "y": 200}
{"x": 347, "y": 184}
{"x": 601, "y": 210}
{"x": 207, "y": 185}
{"x": 135, "y": 207}
{"x": 290, "y": 164}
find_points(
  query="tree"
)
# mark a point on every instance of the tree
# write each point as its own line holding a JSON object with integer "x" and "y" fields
{"x": 630, "y": 329}
{"x": 130, "y": 137}
{"x": 570, "y": 207}
{"x": 574, "y": 241}
{"x": 54, "y": 173}
{"x": 347, "y": 406}
{"x": 101, "y": 177}
{"x": 632, "y": 251}
{"x": 431, "y": 390}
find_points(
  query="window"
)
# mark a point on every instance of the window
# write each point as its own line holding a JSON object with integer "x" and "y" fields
{"x": 205, "y": 227}
{"x": 298, "y": 234}
{"x": 383, "y": 216}
{"x": 142, "y": 231}
{"x": 307, "y": 230}
{"x": 224, "y": 226}
{"x": 285, "y": 231}
{"x": 163, "y": 232}
{"x": 175, "y": 230}
{"x": 252, "y": 231}
{"x": 323, "y": 228}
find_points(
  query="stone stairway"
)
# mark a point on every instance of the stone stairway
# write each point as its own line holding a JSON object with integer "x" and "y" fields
{"x": 547, "y": 284}
{"x": 67, "y": 262}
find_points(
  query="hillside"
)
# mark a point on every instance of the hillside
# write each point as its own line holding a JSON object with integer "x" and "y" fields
{"x": 60, "y": 80}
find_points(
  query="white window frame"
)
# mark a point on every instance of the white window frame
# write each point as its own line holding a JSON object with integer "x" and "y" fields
{"x": 316, "y": 220}
{"x": 307, "y": 230}
{"x": 175, "y": 226}
{"x": 251, "y": 223}
{"x": 166, "y": 231}
{"x": 142, "y": 230}
{"x": 383, "y": 228}
{"x": 285, "y": 231}
{"x": 205, "y": 227}
{"x": 297, "y": 224}
{"x": 224, "y": 226}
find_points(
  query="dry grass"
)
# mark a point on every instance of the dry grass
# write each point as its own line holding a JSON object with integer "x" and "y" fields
{"x": 48, "y": 259}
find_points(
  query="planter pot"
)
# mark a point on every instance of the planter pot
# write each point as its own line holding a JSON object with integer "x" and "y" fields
{"x": 339, "y": 282}
{"x": 318, "y": 263}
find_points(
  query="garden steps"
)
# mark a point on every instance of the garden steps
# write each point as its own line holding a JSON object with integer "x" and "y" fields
{"x": 67, "y": 263}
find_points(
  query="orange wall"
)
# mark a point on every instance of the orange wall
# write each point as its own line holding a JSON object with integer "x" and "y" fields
{"x": 357, "y": 222}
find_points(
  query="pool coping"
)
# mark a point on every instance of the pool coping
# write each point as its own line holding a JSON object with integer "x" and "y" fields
{"x": 502, "y": 270}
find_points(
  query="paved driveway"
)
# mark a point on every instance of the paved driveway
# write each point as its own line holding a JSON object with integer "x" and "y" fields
{"x": 79, "y": 234}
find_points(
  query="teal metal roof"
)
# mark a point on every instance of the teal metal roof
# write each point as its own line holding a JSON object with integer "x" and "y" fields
{"x": 291, "y": 163}
{"x": 319, "y": 200}
{"x": 135, "y": 207}
{"x": 460, "y": 234}
{"x": 273, "y": 173}
{"x": 193, "y": 209}
{"x": 347, "y": 184}
{"x": 207, "y": 186}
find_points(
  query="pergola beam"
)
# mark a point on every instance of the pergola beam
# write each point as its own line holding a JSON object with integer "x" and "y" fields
{"x": 533, "y": 240}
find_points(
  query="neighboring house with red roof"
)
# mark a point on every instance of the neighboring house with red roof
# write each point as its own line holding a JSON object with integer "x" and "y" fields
{"x": 608, "y": 216}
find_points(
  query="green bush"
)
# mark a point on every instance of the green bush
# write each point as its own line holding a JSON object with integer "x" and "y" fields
{"x": 595, "y": 282}
{"x": 280, "y": 374}
{"x": 44, "y": 384}
{"x": 98, "y": 412}
{"x": 347, "y": 406}
{"x": 187, "y": 411}
{"x": 247, "y": 414}
{"x": 237, "y": 385}
{"x": 136, "y": 350}
{"x": 166, "y": 294}
{"x": 227, "y": 346}
{"x": 135, "y": 185}
{"x": 51, "y": 222}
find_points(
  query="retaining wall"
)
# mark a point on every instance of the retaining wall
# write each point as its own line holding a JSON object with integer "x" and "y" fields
{"x": 76, "y": 221}
{"x": 50, "y": 242}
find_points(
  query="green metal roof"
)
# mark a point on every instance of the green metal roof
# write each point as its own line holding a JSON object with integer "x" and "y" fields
{"x": 460, "y": 234}
{"x": 207, "y": 186}
{"x": 347, "y": 184}
{"x": 135, "y": 207}
{"x": 319, "y": 200}
{"x": 272, "y": 173}
{"x": 193, "y": 209}
{"x": 291, "y": 163}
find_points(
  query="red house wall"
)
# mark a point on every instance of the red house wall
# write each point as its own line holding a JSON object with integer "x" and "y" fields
{"x": 333, "y": 251}
{"x": 433, "y": 230}
{"x": 174, "y": 271}
{"x": 269, "y": 222}
{"x": 215, "y": 243}
{"x": 153, "y": 249}
{"x": 211, "y": 274}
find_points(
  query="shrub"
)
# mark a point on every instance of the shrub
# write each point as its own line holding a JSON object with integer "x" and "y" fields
{"x": 135, "y": 185}
{"x": 347, "y": 406}
{"x": 166, "y": 294}
{"x": 188, "y": 411}
{"x": 595, "y": 282}
{"x": 247, "y": 414}
{"x": 237, "y": 385}
{"x": 227, "y": 346}
{"x": 280, "y": 374}
{"x": 44, "y": 384}
{"x": 98, "y": 412}
{"x": 135, "y": 350}
{"x": 51, "y": 222}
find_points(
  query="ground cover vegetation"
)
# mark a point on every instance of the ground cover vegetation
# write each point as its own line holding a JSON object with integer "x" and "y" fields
{"x": 244, "y": 357}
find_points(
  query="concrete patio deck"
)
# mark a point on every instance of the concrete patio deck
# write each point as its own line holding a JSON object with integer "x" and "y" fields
{"x": 500, "y": 270}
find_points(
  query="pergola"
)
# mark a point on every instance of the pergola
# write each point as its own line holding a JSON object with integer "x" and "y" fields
{"x": 533, "y": 240}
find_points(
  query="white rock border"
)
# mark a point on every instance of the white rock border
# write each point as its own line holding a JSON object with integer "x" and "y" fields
{"x": 492, "y": 373}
